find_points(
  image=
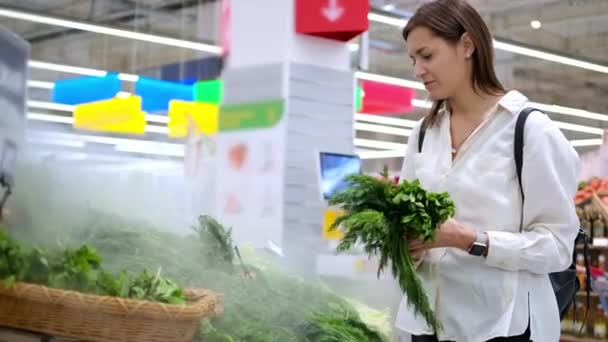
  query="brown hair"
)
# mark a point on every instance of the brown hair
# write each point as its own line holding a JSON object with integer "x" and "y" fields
{"x": 450, "y": 19}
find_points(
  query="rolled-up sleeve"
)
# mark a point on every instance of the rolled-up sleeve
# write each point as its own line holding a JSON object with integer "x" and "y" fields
{"x": 550, "y": 223}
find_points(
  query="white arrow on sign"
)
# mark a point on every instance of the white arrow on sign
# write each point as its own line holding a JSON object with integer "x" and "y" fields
{"x": 333, "y": 11}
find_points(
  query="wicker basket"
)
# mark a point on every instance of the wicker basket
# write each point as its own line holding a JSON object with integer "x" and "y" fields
{"x": 99, "y": 318}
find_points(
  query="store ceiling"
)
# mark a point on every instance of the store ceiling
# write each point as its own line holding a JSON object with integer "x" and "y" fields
{"x": 577, "y": 28}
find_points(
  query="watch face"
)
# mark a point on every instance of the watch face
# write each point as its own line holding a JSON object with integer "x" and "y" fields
{"x": 477, "y": 249}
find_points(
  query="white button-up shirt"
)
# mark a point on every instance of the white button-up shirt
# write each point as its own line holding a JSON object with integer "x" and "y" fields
{"x": 477, "y": 298}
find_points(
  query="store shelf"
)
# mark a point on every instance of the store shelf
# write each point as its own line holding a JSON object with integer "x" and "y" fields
{"x": 570, "y": 338}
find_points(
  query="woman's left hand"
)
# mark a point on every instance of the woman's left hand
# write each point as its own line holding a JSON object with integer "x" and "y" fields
{"x": 450, "y": 234}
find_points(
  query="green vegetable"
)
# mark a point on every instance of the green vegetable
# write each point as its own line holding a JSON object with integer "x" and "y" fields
{"x": 264, "y": 303}
{"x": 383, "y": 216}
{"x": 80, "y": 270}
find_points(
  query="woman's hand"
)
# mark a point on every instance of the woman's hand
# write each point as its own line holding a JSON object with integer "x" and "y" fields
{"x": 449, "y": 234}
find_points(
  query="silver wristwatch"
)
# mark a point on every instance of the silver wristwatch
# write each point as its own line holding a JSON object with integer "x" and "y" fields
{"x": 479, "y": 247}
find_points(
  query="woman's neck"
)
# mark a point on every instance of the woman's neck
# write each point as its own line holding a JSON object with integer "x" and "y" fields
{"x": 470, "y": 105}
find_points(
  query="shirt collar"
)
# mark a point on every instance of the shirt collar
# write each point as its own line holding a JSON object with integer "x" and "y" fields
{"x": 513, "y": 101}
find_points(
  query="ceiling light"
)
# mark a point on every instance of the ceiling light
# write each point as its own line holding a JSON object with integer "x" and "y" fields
{"x": 128, "y": 77}
{"x": 586, "y": 142}
{"x": 388, "y": 7}
{"x": 386, "y": 120}
{"x": 387, "y": 20}
{"x": 386, "y": 145}
{"x": 50, "y": 118}
{"x": 162, "y": 119}
{"x": 382, "y": 129}
{"x": 380, "y": 154}
{"x": 510, "y": 47}
{"x": 422, "y": 103}
{"x": 42, "y": 19}
{"x": 536, "y": 24}
{"x": 551, "y": 57}
{"x": 51, "y": 106}
{"x": 40, "y": 84}
{"x": 67, "y": 69}
{"x": 579, "y": 128}
{"x": 157, "y": 129}
{"x": 581, "y": 113}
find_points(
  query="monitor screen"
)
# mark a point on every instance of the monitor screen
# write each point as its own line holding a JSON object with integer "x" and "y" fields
{"x": 334, "y": 168}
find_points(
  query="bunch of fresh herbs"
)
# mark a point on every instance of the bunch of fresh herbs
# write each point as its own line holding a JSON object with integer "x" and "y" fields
{"x": 383, "y": 217}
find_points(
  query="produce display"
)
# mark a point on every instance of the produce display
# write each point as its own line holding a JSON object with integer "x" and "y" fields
{"x": 80, "y": 270}
{"x": 382, "y": 216}
{"x": 261, "y": 301}
{"x": 586, "y": 189}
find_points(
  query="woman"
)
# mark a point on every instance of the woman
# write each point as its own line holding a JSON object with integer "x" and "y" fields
{"x": 485, "y": 280}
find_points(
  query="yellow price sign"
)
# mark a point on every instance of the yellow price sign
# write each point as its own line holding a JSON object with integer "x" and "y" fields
{"x": 329, "y": 217}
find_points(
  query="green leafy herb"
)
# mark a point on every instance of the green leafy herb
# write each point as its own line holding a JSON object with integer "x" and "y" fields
{"x": 383, "y": 216}
{"x": 80, "y": 270}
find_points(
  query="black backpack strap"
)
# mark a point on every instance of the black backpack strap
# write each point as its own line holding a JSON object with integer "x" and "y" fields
{"x": 518, "y": 149}
{"x": 421, "y": 134}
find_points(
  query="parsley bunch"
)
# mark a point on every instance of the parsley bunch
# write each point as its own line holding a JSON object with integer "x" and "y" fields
{"x": 383, "y": 217}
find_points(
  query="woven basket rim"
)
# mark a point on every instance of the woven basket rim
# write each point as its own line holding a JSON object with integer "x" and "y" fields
{"x": 201, "y": 301}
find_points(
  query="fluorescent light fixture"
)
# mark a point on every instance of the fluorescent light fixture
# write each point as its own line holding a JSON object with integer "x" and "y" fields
{"x": 51, "y": 106}
{"x": 551, "y": 57}
{"x": 513, "y": 48}
{"x": 382, "y": 129}
{"x": 50, "y": 118}
{"x": 379, "y": 18}
{"x": 388, "y": 7}
{"x": 586, "y": 142}
{"x": 157, "y": 118}
{"x": 151, "y": 38}
{"x": 40, "y": 84}
{"x": 579, "y": 128}
{"x": 386, "y": 145}
{"x": 389, "y": 80}
{"x": 66, "y": 68}
{"x": 128, "y": 77}
{"x": 422, "y": 104}
{"x": 581, "y": 113}
{"x": 157, "y": 129}
{"x": 385, "y": 120}
{"x": 380, "y": 154}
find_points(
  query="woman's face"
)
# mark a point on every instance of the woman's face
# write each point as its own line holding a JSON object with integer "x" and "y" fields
{"x": 444, "y": 68}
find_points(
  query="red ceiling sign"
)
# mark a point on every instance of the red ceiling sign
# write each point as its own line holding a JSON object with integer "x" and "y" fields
{"x": 340, "y": 20}
{"x": 382, "y": 98}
